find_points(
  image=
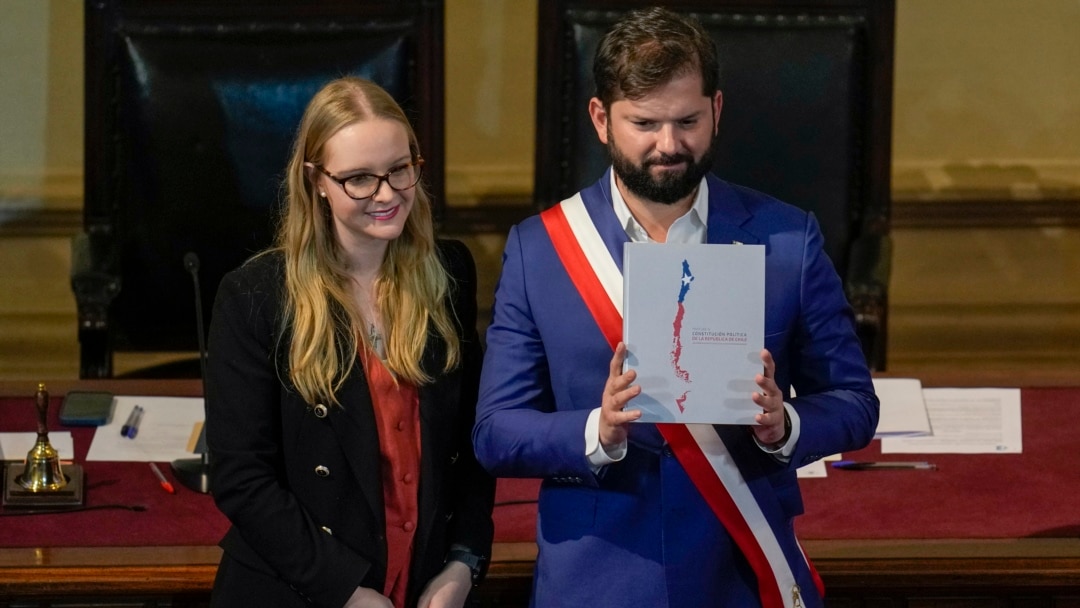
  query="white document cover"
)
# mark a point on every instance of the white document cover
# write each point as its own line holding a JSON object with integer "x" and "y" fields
{"x": 694, "y": 325}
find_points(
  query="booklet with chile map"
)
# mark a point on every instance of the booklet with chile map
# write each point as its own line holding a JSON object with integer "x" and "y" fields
{"x": 694, "y": 327}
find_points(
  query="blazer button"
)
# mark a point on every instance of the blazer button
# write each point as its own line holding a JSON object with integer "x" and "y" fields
{"x": 322, "y": 471}
{"x": 327, "y": 530}
{"x": 320, "y": 411}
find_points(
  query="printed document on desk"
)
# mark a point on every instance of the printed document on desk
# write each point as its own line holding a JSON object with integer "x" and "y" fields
{"x": 966, "y": 421}
{"x": 15, "y": 446}
{"x": 903, "y": 408}
{"x": 694, "y": 327}
{"x": 166, "y": 425}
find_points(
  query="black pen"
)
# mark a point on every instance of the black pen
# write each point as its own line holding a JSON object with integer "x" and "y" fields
{"x": 854, "y": 465}
{"x": 132, "y": 427}
{"x": 132, "y": 421}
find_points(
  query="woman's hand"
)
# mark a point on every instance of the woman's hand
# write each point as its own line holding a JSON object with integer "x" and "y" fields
{"x": 365, "y": 597}
{"x": 449, "y": 589}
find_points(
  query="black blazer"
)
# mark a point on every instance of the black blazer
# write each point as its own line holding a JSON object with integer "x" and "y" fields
{"x": 300, "y": 481}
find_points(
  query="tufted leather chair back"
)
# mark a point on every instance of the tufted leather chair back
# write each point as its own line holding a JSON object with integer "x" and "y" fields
{"x": 191, "y": 108}
{"x": 806, "y": 118}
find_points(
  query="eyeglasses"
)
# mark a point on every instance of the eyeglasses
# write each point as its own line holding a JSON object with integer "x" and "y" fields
{"x": 365, "y": 185}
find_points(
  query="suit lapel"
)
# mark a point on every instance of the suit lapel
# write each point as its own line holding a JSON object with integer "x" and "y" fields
{"x": 433, "y": 431}
{"x": 727, "y": 215}
{"x": 358, "y": 434}
{"x": 597, "y": 201}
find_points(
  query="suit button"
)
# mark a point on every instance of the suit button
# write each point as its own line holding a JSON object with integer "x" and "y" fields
{"x": 320, "y": 411}
{"x": 322, "y": 471}
{"x": 454, "y": 458}
{"x": 408, "y": 526}
{"x": 407, "y": 478}
{"x": 327, "y": 530}
{"x": 449, "y": 516}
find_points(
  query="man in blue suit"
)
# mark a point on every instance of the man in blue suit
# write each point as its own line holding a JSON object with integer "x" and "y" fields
{"x": 663, "y": 515}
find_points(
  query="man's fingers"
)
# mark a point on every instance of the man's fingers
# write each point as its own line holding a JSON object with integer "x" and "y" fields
{"x": 623, "y": 416}
{"x": 768, "y": 363}
{"x": 620, "y": 398}
{"x": 617, "y": 360}
{"x": 619, "y": 383}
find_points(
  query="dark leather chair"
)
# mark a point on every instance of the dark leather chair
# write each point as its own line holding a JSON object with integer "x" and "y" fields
{"x": 807, "y": 118}
{"x": 191, "y": 108}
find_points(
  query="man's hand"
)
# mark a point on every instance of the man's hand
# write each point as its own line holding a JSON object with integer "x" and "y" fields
{"x": 771, "y": 401}
{"x": 449, "y": 589}
{"x": 619, "y": 389}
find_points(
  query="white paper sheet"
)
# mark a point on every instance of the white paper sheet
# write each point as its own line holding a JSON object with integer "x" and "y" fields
{"x": 818, "y": 468}
{"x": 163, "y": 435}
{"x": 14, "y": 446}
{"x": 966, "y": 421}
{"x": 903, "y": 408}
{"x": 814, "y": 469}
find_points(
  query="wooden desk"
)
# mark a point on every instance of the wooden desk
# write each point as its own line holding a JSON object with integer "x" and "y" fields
{"x": 1010, "y": 572}
{"x": 143, "y": 576}
{"x": 1041, "y": 570}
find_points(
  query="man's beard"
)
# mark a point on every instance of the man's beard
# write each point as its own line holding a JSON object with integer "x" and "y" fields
{"x": 669, "y": 187}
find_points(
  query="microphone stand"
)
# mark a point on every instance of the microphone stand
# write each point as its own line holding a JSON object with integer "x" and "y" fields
{"x": 194, "y": 473}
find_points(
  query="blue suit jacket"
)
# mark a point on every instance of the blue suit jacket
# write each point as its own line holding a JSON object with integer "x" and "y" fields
{"x": 638, "y": 533}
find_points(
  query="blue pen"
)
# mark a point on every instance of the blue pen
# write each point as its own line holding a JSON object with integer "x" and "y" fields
{"x": 853, "y": 465}
{"x": 131, "y": 427}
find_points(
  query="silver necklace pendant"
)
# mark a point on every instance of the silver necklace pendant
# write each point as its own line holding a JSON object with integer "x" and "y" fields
{"x": 376, "y": 341}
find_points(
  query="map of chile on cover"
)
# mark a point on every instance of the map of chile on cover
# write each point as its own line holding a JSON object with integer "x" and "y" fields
{"x": 694, "y": 327}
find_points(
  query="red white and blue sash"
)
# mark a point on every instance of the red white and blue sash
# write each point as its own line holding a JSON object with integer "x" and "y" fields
{"x": 698, "y": 447}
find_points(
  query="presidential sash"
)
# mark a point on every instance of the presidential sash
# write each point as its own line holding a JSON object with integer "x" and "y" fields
{"x": 698, "y": 447}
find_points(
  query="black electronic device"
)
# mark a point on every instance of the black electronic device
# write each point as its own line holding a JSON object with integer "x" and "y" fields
{"x": 86, "y": 408}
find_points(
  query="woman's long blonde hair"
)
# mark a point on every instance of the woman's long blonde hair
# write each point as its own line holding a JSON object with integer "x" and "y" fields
{"x": 412, "y": 286}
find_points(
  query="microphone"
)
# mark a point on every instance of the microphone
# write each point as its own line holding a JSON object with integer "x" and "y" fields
{"x": 194, "y": 473}
{"x": 191, "y": 263}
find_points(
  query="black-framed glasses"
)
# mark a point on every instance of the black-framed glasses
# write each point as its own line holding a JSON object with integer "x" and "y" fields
{"x": 365, "y": 185}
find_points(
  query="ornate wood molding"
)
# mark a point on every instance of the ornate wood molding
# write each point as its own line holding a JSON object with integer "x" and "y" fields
{"x": 497, "y": 215}
{"x": 985, "y": 213}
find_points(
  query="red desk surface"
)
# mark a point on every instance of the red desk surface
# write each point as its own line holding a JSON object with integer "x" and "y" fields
{"x": 969, "y": 496}
{"x": 1034, "y": 494}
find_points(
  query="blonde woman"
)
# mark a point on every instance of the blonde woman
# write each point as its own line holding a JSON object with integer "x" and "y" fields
{"x": 342, "y": 379}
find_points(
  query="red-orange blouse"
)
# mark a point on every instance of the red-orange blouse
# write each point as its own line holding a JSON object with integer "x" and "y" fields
{"x": 397, "y": 416}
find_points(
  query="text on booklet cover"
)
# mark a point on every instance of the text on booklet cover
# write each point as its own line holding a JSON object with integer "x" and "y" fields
{"x": 694, "y": 325}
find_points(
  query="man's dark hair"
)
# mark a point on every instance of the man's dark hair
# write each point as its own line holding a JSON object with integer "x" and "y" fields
{"x": 647, "y": 49}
